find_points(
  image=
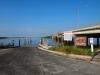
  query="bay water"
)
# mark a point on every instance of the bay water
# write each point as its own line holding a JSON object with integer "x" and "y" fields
{"x": 33, "y": 41}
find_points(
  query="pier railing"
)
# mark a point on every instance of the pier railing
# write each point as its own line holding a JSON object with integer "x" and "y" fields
{"x": 7, "y": 42}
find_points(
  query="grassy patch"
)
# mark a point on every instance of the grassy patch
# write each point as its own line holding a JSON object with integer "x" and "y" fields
{"x": 72, "y": 50}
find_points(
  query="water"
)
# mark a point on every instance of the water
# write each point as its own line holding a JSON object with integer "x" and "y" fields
{"x": 24, "y": 41}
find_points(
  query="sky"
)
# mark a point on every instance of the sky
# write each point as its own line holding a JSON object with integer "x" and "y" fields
{"x": 46, "y": 17}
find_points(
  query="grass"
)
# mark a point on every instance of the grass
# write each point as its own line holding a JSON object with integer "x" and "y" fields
{"x": 73, "y": 50}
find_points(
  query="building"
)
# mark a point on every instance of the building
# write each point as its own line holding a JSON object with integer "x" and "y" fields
{"x": 83, "y": 35}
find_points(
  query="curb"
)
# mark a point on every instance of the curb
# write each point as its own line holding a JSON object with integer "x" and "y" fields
{"x": 80, "y": 57}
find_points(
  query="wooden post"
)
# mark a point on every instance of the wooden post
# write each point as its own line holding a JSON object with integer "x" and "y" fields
{"x": 25, "y": 42}
{"x": 30, "y": 41}
{"x": 19, "y": 43}
{"x": 13, "y": 43}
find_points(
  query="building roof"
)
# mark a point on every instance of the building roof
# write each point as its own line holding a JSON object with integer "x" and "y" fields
{"x": 87, "y": 30}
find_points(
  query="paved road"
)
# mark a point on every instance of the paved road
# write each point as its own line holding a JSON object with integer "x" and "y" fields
{"x": 31, "y": 61}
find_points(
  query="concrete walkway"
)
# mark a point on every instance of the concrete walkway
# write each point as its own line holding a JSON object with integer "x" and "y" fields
{"x": 32, "y": 61}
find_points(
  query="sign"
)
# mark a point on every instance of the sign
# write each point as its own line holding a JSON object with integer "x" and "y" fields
{"x": 67, "y": 36}
{"x": 91, "y": 40}
{"x": 80, "y": 41}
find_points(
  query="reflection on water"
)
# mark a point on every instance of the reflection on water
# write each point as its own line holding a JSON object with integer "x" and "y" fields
{"x": 24, "y": 42}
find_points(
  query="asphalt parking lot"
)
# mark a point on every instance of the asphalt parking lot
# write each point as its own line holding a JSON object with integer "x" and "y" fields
{"x": 32, "y": 61}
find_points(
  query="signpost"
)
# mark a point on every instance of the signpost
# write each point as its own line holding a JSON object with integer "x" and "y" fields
{"x": 91, "y": 42}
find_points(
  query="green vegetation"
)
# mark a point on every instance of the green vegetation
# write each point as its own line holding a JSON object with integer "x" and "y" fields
{"x": 73, "y": 50}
